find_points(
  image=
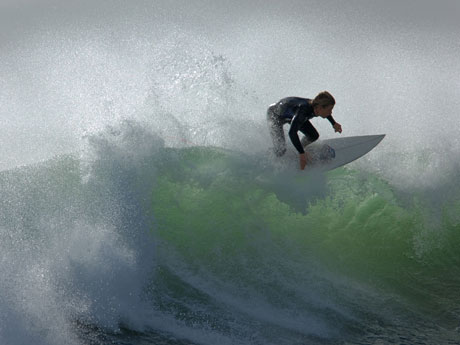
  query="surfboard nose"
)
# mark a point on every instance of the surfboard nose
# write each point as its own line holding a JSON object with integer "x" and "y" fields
{"x": 346, "y": 149}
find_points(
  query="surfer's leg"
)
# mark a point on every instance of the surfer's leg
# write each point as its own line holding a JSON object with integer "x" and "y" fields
{"x": 310, "y": 132}
{"x": 276, "y": 132}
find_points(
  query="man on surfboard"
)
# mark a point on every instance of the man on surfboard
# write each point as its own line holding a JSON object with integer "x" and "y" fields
{"x": 298, "y": 112}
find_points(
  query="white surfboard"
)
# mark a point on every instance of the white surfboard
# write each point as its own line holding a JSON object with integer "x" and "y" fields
{"x": 332, "y": 153}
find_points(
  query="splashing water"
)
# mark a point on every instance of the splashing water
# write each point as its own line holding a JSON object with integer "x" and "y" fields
{"x": 140, "y": 203}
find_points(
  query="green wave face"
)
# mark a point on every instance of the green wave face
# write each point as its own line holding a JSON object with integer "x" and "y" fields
{"x": 237, "y": 250}
{"x": 244, "y": 231}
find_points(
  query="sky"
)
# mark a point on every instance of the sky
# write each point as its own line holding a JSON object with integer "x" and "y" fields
{"x": 69, "y": 67}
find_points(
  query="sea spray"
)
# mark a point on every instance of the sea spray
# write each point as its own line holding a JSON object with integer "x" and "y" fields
{"x": 153, "y": 211}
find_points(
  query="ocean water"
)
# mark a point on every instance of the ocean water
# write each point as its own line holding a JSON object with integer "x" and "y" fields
{"x": 141, "y": 204}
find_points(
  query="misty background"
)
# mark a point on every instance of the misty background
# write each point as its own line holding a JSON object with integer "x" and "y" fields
{"x": 71, "y": 68}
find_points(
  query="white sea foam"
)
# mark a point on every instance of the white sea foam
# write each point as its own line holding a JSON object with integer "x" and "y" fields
{"x": 115, "y": 85}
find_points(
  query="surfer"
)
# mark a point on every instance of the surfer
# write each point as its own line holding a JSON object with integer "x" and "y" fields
{"x": 297, "y": 112}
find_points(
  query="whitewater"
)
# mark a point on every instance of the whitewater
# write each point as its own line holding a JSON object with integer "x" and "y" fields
{"x": 140, "y": 201}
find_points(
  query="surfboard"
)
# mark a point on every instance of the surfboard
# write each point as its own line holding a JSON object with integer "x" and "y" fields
{"x": 333, "y": 153}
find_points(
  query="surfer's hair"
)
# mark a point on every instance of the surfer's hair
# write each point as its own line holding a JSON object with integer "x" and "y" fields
{"x": 323, "y": 99}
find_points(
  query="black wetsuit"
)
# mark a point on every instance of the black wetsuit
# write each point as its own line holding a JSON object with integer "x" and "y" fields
{"x": 296, "y": 111}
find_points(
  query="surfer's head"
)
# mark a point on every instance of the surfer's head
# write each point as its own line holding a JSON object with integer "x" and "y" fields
{"x": 323, "y": 104}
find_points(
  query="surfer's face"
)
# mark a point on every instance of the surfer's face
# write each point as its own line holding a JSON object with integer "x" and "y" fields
{"x": 324, "y": 111}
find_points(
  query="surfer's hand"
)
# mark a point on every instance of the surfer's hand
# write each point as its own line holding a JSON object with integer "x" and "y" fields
{"x": 337, "y": 127}
{"x": 303, "y": 160}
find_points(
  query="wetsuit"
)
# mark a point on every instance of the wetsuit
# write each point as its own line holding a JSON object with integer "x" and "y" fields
{"x": 296, "y": 111}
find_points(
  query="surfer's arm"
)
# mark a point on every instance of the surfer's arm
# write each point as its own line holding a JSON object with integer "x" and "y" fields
{"x": 336, "y": 125}
{"x": 295, "y": 127}
{"x": 331, "y": 120}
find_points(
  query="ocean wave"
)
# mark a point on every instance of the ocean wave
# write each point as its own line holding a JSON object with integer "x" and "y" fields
{"x": 204, "y": 243}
